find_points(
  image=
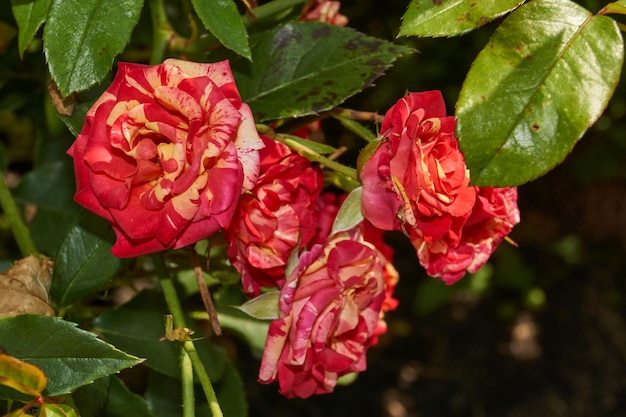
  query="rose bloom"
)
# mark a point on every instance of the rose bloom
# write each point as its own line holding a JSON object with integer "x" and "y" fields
{"x": 165, "y": 153}
{"x": 491, "y": 219}
{"x": 390, "y": 275}
{"x": 273, "y": 218}
{"x": 417, "y": 177}
{"x": 324, "y": 11}
{"x": 329, "y": 312}
{"x": 416, "y": 181}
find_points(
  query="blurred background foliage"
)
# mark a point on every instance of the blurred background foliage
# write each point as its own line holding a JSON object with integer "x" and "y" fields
{"x": 540, "y": 331}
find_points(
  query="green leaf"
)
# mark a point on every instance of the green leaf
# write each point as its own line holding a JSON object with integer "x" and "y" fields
{"x": 84, "y": 263}
{"x": 57, "y": 195}
{"x": 318, "y": 147}
{"x": 303, "y": 68}
{"x": 544, "y": 77}
{"x": 451, "y": 17}
{"x": 57, "y": 410}
{"x": 90, "y": 399}
{"x": 84, "y": 102}
{"x": 56, "y": 209}
{"x": 223, "y": 20}
{"x": 357, "y": 128}
{"x": 122, "y": 402}
{"x": 21, "y": 376}
{"x": 82, "y": 37}
{"x": 262, "y": 307}
{"x": 251, "y": 330}
{"x": 70, "y": 357}
{"x": 29, "y": 15}
{"x": 618, "y": 7}
{"x": 137, "y": 327}
{"x": 231, "y": 394}
{"x": 350, "y": 213}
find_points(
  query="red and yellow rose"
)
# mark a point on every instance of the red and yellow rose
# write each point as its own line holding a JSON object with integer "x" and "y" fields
{"x": 273, "y": 218}
{"x": 329, "y": 312}
{"x": 165, "y": 153}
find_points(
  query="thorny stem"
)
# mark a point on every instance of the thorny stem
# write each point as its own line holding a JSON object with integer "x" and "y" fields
{"x": 162, "y": 31}
{"x": 18, "y": 227}
{"x": 173, "y": 304}
{"x": 357, "y": 115}
{"x": 311, "y": 155}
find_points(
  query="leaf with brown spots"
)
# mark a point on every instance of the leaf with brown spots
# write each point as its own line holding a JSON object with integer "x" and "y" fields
{"x": 304, "y": 68}
{"x": 545, "y": 76}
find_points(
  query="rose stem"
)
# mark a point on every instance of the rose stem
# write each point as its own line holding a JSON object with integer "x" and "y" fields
{"x": 204, "y": 292}
{"x": 311, "y": 155}
{"x": 357, "y": 115}
{"x": 173, "y": 304}
{"x": 161, "y": 30}
{"x": 19, "y": 229}
{"x": 186, "y": 373}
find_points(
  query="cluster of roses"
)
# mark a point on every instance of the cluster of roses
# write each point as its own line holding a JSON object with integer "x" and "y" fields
{"x": 170, "y": 155}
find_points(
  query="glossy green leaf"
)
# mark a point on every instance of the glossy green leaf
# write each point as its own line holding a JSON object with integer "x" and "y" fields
{"x": 21, "y": 376}
{"x": 350, "y": 213}
{"x": 223, "y": 20}
{"x": 82, "y": 38}
{"x": 618, "y": 7}
{"x": 304, "y": 68}
{"x": 84, "y": 263}
{"x": 57, "y": 410}
{"x": 544, "y": 77}
{"x": 138, "y": 326}
{"x": 451, "y": 17}
{"x": 70, "y": 357}
{"x": 262, "y": 307}
{"x": 29, "y": 15}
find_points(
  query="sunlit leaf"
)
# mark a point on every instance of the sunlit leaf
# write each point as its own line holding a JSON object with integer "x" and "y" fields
{"x": 57, "y": 410}
{"x": 618, "y": 7}
{"x": 451, "y": 17}
{"x": 21, "y": 376}
{"x": 544, "y": 77}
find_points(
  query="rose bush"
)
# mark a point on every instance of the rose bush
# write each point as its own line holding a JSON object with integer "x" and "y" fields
{"x": 274, "y": 217}
{"x": 165, "y": 153}
{"x": 329, "y": 312}
{"x": 415, "y": 180}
